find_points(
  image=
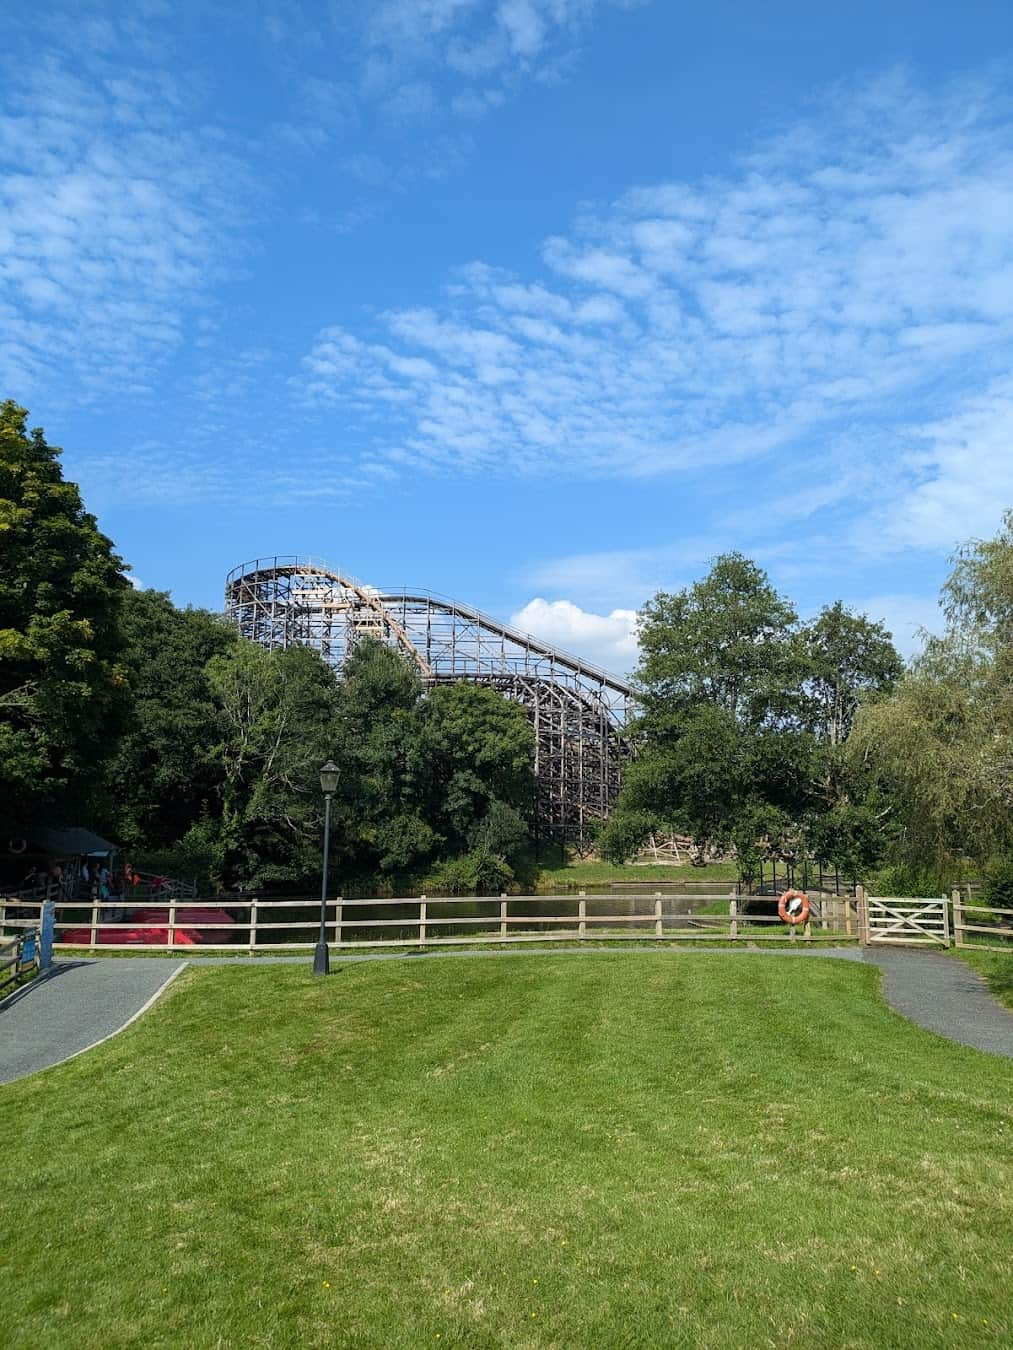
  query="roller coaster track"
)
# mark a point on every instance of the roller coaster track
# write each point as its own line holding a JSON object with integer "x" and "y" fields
{"x": 578, "y": 711}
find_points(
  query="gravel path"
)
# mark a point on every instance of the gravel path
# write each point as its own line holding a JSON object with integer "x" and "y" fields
{"x": 81, "y": 1002}
{"x": 73, "y": 1006}
{"x": 944, "y": 995}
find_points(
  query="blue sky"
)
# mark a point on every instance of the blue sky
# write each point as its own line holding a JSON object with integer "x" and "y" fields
{"x": 535, "y": 303}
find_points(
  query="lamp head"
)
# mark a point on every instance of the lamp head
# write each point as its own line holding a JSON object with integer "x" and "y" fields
{"x": 329, "y": 777}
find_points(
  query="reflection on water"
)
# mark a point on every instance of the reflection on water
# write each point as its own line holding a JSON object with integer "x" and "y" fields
{"x": 474, "y": 918}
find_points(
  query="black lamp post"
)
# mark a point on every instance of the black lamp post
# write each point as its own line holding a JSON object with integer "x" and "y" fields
{"x": 328, "y": 785}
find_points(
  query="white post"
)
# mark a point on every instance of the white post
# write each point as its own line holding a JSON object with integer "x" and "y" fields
{"x": 422, "y": 919}
{"x": 733, "y": 918}
{"x": 253, "y": 925}
{"x": 582, "y": 917}
{"x": 658, "y": 930}
{"x": 172, "y": 924}
{"x": 503, "y": 926}
{"x": 337, "y": 920}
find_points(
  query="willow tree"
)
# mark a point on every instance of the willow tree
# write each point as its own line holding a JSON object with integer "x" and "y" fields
{"x": 942, "y": 744}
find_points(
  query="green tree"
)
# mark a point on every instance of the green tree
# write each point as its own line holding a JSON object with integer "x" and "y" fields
{"x": 62, "y": 690}
{"x": 728, "y": 640}
{"x": 845, "y": 657}
{"x": 941, "y": 746}
{"x": 164, "y": 777}
{"x": 479, "y": 749}
{"x": 277, "y": 714}
{"x": 744, "y": 715}
{"x": 429, "y": 777}
{"x": 941, "y": 757}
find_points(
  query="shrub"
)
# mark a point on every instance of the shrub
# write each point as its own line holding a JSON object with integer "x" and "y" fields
{"x": 999, "y": 884}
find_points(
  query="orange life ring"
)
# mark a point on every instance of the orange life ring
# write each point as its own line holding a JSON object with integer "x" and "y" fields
{"x": 790, "y": 911}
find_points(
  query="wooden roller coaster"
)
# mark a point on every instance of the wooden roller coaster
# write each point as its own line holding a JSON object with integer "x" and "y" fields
{"x": 578, "y": 712}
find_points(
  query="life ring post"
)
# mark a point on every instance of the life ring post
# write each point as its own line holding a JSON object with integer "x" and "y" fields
{"x": 793, "y": 909}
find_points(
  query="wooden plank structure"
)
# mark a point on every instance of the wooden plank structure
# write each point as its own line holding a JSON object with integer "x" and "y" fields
{"x": 578, "y": 711}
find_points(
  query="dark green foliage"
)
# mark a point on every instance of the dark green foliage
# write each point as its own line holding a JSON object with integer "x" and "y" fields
{"x": 164, "y": 776}
{"x": 62, "y": 689}
{"x": 999, "y": 884}
{"x": 843, "y": 658}
{"x": 745, "y": 711}
{"x": 726, "y": 641}
{"x": 277, "y": 714}
{"x": 432, "y": 777}
{"x": 624, "y": 833}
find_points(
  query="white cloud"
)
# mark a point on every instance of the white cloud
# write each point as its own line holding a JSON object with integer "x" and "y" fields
{"x": 110, "y": 213}
{"x": 606, "y": 640}
{"x": 852, "y": 281}
{"x": 959, "y": 476}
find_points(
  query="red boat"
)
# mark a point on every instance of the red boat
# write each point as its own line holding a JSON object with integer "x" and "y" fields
{"x": 150, "y": 927}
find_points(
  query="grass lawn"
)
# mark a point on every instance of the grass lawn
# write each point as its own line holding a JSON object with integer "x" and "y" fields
{"x": 589, "y": 874}
{"x": 612, "y": 1149}
{"x": 996, "y": 968}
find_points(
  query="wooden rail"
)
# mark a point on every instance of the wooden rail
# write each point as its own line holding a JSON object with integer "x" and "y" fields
{"x": 260, "y": 923}
{"x": 1003, "y": 928}
{"x": 13, "y": 964}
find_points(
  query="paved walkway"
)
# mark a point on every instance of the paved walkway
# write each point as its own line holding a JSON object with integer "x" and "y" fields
{"x": 73, "y": 1006}
{"x": 944, "y": 995}
{"x": 81, "y": 1002}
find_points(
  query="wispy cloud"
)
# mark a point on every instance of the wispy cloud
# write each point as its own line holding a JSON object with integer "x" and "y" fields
{"x": 854, "y": 276}
{"x": 113, "y": 209}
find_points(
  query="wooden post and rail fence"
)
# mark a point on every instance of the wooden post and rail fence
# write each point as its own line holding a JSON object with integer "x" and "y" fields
{"x": 262, "y": 923}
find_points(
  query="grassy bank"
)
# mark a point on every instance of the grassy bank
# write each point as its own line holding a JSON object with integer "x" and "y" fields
{"x": 996, "y": 968}
{"x": 590, "y": 875}
{"x": 606, "y": 1150}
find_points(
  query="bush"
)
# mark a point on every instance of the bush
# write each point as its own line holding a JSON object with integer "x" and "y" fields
{"x": 999, "y": 884}
{"x": 475, "y": 873}
{"x": 908, "y": 879}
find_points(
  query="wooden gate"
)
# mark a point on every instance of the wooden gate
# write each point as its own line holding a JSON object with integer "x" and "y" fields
{"x": 905, "y": 920}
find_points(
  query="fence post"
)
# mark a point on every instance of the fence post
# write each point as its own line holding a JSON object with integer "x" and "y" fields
{"x": 337, "y": 920}
{"x": 582, "y": 916}
{"x": 172, "y": 924}
{"x": 958, "y": 919}
{"x": 862, "y": 903}
{"x": 253, "y": 925}
{"x": 658, "y": 931}
{"x": 946, "y": 922}
{"x": 94, "y": 917}
{"x": 733, "y": 918}
{"x": 422, "y": 919}
{"x": 503, "y": 926}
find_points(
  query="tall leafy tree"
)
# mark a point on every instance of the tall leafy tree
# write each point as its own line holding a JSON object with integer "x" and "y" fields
{"x": 428, "y": 777}
{"x": 62, "y": 688}
{"x": 478, "y": 748}
{"x": 164, "y": 777}
{"x": 277, "y": 717}
{"x": 744, "y": 710}
{"x": 726, "y": 641}
{"x": 941, "y": 746}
